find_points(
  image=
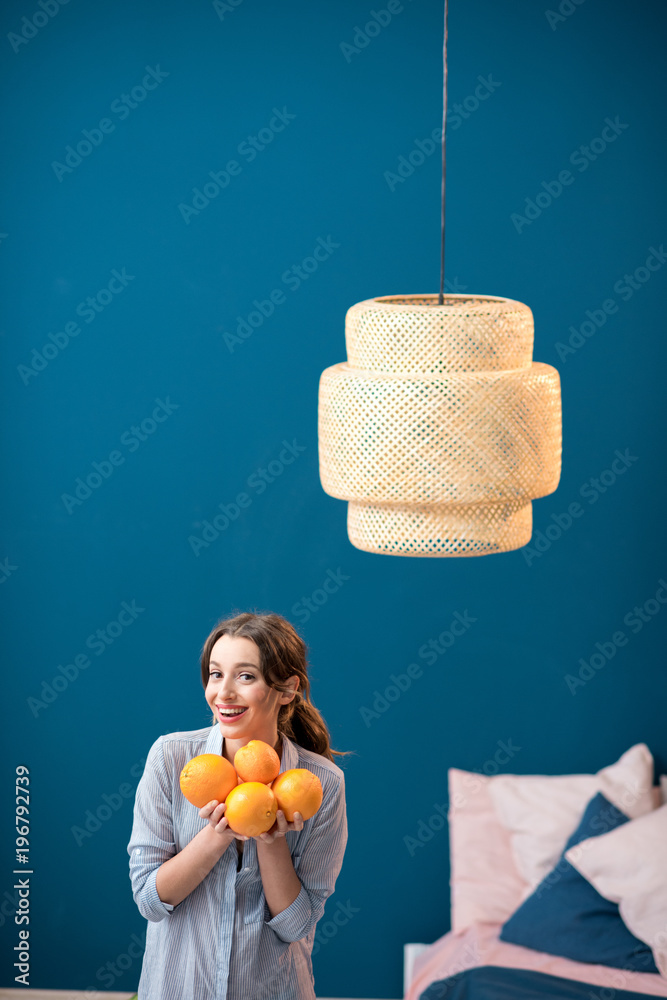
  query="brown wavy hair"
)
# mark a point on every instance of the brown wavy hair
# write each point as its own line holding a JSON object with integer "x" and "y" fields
{"x": 282, "y": 653}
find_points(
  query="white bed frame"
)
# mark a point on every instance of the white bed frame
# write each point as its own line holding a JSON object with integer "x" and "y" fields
{"x": 410, "y": 953}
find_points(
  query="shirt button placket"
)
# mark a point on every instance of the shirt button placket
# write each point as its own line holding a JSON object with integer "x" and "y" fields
{"x": 228, "y": 895}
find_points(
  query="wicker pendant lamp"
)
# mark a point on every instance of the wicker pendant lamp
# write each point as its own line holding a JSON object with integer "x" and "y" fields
{"x": 439, "y": 429}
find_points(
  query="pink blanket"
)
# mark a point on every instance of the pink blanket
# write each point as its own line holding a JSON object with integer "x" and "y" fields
{"x": 479, "y": 945}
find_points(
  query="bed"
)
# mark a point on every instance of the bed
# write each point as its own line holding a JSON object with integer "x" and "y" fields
{"x": 558, "y": 888}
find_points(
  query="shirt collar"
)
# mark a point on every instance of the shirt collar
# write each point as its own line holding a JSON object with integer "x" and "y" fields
{"x": 290, "y": 754}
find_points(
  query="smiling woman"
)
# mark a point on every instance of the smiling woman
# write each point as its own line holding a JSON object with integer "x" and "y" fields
{"x": 239, "y": 697}
{"x": 231, "y": 915}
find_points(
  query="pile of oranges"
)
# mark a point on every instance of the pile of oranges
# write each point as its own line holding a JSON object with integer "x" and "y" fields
{"x": 252, "y": 789}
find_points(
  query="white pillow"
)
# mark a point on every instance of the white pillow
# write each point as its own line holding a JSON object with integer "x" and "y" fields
{"x": 629, "y": 867}
{"x": 540, "y": 812}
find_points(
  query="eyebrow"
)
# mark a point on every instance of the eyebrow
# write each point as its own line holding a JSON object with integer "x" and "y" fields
{"x": 212, "y": 663}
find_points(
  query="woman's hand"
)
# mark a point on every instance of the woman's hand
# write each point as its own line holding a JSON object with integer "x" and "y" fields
{"x": 214, "y": 812}
{"x": 281, "y": 827}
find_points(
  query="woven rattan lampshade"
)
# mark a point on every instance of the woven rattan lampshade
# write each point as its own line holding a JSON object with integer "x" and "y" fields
{"x": 439, "y": 430}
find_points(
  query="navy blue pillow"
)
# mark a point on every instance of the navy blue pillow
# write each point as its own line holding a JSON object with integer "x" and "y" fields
{"x": 566, "y": 916}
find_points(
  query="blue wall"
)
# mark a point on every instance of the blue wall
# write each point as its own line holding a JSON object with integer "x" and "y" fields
{"x": 218, "y": 78}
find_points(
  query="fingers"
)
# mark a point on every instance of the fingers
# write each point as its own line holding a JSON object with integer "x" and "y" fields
{"x": 281, "y": 827}
{"x": 296, "y": 824}
{"x": 214, "y": 812}
{"x": 284, "y": 826}
{"x": 206, "y": 810}
{"x": 218, "y": 818}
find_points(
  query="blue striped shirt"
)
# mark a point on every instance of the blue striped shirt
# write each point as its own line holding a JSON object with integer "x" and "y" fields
{"x": 220, "y": 942}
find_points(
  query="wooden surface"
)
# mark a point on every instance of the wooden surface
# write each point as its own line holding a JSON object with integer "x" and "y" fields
{"x": 23, "y": 994}
{"x": 59, "y": 994}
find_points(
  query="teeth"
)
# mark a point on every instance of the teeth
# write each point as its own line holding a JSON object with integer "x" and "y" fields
{"x": 232, "y": 711}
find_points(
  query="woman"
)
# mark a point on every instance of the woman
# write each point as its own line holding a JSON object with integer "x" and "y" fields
{"x": 231, "y": 917}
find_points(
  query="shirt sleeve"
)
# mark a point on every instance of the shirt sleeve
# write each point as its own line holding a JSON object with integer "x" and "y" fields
{"x": 317, "y": 868}
{"x": 152, "y": 837}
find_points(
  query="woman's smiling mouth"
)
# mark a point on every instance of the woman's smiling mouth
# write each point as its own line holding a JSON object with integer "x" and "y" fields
{"x": 229, "y": 713}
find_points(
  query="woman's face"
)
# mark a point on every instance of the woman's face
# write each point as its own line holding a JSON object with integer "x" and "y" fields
{"x": 236, "y": 682}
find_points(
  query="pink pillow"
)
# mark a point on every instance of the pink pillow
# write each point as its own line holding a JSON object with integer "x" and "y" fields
{"x": 485, "y": 885}
{"x": 541, "y": 811}
{"x": 629, "y": 867}
{"x": 504, "y": 829}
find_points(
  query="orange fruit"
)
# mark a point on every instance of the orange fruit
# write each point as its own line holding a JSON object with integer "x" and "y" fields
{"x": 298, "y": 790}
{"x": 257, "y": 761}
{"x": 208, "y": 776}
{"x": 250, "y": 808}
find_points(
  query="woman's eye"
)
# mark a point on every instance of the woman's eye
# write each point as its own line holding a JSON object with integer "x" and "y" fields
{"x": 216, "y": 673}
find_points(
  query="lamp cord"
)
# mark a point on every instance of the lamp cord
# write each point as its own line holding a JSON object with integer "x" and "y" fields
{"x": 441, "y": 297}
